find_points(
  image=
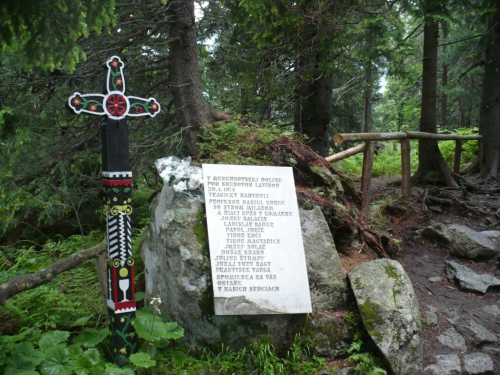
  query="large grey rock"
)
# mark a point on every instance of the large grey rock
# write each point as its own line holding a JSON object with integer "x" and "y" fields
{"x": 478, "y": 364}
{"x": 452, "y": 339}
{"x": 476, "y": 333}
{"x": 324, "y": 268}
{"x": 438, "y": 232}
{"x": 390, "y": 312}
{"x": 468, "y": 279}
{"x": 175, "y": 255}
{"x": 470, "y": 244}
{"x": 463, "y": 241}
{"x": 447, "y": 364}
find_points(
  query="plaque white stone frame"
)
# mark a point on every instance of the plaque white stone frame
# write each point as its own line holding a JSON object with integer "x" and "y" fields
{"x": 256, "y": 251}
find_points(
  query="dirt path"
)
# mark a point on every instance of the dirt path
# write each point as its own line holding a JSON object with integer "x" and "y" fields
{"x": 445, "y": 309}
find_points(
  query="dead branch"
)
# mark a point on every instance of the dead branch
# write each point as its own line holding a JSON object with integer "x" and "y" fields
{"x": 373, "y": 240}
{"x": 33, "y": 280}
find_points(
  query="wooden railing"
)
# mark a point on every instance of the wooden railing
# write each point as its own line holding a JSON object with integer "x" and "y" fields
{"x": 368, "y": 146}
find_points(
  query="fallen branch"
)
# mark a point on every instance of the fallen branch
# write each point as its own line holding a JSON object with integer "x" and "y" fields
{"x": 30, "y": 281}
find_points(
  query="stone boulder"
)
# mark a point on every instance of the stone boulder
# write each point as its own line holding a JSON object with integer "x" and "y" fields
{"x": 175, "y": 253}
{"x": 464, "y": 242}
{"x": 390, "y": 313}
{"x": 470, "y": 244}
{"x": 468, "y": 279}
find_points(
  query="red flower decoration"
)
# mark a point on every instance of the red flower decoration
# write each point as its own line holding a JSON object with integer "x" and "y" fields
{"x": 115, "y": 63}
{"x": 119, "y": 81}
{"x": 116, "y": 105}
{"x": 77, "y": 101}
{"x": 93, "y": 107}
{"x": 154, "y": 106}
{"x": 139, "y": 109}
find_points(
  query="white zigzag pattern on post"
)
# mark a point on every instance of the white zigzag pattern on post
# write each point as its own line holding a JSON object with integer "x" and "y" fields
{"x": 125, "y": 236}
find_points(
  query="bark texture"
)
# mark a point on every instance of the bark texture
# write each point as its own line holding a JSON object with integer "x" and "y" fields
{"x": 489, "y": 120}
{"x": 30, "y": 281}
{"x": 191, "y": 109}
{"x": 431, "y": 164}
{"x": 314, "y": 112}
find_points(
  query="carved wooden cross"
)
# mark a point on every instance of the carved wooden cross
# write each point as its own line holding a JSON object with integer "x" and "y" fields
{"x": 117, "y": 187}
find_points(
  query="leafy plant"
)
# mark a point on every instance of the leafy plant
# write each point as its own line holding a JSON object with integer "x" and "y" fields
{"x": 366, "y": 363}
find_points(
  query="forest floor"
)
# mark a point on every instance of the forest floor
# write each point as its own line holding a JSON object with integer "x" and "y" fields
{"x": 424, "y": 261}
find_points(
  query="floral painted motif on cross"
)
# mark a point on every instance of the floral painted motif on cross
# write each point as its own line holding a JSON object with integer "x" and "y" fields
{"x": 115, "y": 106}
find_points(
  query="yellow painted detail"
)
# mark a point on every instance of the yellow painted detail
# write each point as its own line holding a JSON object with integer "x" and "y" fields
{"x": 123, "y": 272}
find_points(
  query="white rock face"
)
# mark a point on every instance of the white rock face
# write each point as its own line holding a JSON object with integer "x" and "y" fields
{"x": 179, "y": 174}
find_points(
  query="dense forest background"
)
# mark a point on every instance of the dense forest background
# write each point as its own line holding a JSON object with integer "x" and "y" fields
{"x": 315, "y": 67}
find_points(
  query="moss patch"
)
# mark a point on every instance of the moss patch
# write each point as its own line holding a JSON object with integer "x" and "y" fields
{"x": 392, "y": 272}
{"x": 200, "y": 229}
{"x": 369, "y": 313}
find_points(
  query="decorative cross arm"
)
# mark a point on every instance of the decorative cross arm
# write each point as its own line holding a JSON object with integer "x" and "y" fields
{"x": 116, "y": 105}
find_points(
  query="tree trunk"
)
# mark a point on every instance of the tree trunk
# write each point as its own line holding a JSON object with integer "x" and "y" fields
{"x": 367, "y": 97}
{"x": 191, "y": 109}
{"x": 444, "y": 97}
{"x": 489, "y": 118}
{"x": 431, "y": 164}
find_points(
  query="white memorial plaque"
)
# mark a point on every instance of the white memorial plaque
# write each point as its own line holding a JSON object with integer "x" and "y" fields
{"x": 256, "y": 250}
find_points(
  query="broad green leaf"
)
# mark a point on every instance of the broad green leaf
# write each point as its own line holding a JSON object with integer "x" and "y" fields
{"x": 75, "y": 351}
{"x": 53, "y": 338}
{"x": 139, "y": 296}
{"x": 90, "y": 337}
{"x": 82, "y": 321}
{"x": 15, "y": 367}
{"x": 83, "y": 365}
{"x": 142, "y": 359}
{"x": 115, "y": 370}
{"x": 174, "y": 331}
{"x": 57, "y": 362}
{"x": 149, "y": 327}
{"x": 27, "y": 351}
{"x": 93, "y": 354}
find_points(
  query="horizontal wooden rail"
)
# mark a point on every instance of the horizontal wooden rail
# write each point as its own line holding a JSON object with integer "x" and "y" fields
{"x": 442, "y": 137}
{"x": 364, "y": 137}
{"x": 346, "y": 153}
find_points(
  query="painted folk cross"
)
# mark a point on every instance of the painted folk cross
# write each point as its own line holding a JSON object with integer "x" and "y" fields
{"x": 117, "y": 188}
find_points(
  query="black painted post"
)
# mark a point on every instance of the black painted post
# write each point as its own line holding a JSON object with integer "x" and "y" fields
{"x": 117, "y": 188}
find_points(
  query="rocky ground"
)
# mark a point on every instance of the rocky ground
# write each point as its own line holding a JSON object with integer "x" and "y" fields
{"x": 461, "y": 320}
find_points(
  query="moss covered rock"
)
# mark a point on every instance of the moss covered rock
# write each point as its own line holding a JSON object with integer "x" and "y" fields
{"x": 390, "y": 313}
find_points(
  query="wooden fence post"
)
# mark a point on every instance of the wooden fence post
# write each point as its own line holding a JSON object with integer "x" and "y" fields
{"x": 405, "y": 168}
{"x": 366, "y": 179}
{"x": 458, "y": 155}
{"x": 481, "y": 154}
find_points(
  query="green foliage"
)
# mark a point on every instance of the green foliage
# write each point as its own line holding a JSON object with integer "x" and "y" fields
{"x": 44, "y": 33}
{"x": 70, "y": 296}
{"x": 234, "y": 144}
{"x": 387, "y": 161}
{"x": 366, "y": 363}
{"x": 469, "y": 148}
